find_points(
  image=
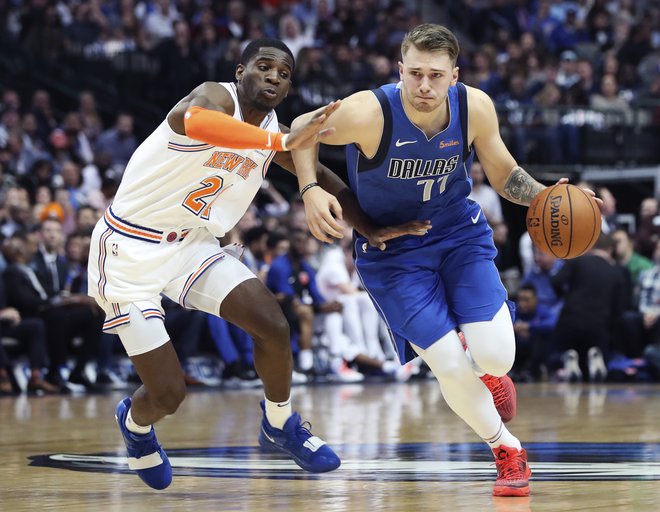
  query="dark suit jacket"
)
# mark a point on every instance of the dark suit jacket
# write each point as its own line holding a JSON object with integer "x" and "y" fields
{"x": 20, "y": 293}
{"x": 45, "y": 276}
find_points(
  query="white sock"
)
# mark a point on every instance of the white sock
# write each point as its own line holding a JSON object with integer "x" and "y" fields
{"x": 503, "y": 437}
{"x": 305, "y": 359}
{"x": 278, "y": 412}
{"x": 134, "y": 427}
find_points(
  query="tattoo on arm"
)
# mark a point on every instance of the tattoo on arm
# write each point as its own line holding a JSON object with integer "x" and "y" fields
{"x": 521, "y": 187}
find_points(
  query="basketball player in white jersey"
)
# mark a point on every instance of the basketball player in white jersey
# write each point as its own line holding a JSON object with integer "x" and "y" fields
{"x": 189, "y": 182}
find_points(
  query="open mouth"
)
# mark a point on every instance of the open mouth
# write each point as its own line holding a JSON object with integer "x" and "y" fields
{"x": 269, "y": 93}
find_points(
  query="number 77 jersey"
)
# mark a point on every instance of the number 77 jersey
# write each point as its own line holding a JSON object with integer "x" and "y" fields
{"x": 412, "y": 176}
{"x": 173, "y": 181}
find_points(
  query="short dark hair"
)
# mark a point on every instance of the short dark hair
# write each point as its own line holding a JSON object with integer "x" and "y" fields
{"x": 254, "y": 234}
{"x": 528, "y": 287}
{"x": 254, "y": 46}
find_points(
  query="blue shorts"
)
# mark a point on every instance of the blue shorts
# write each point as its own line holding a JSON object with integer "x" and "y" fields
{"x": 424, "y": 287}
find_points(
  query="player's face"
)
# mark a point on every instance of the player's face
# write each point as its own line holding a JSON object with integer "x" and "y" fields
{"x": 266, "y": 78}
{"x": 426, "y": 78}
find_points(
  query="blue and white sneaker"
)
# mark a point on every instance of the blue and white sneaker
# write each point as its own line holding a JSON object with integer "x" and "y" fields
{"x": 145, "y": 455}
{"x": 308, "y": 451}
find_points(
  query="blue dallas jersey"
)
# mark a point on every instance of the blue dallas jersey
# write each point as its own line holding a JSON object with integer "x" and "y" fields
{"x": 424, "y": 287}
{"x": 412, "y": 177}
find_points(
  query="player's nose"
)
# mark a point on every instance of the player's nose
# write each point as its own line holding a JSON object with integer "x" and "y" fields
{"x": 273, "y": 77}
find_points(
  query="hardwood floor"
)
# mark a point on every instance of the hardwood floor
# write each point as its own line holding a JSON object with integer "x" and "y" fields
{"x": 591, "y": 448}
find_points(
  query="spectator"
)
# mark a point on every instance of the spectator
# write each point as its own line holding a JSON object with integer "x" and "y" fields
{"x": 119, "y": 142}
{"x": 541, "y": 276}
{"x": 608, "y": 211}
{"x": 649, "y": 307}
{"x": 292, "y": 279}
{"x": 648, "y": 227}
{"x": 625, "y": 254}
{"x": 30, "y": 333}
{"x": 484, "y": 194}
{"x": 609, "y": 100}
{"x": 534, "y": 327}
{"x": 89, "y": 116}
{"x": 593, "y": 292}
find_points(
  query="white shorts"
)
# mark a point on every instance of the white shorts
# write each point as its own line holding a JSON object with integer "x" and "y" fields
{"x": 191, "y": 269}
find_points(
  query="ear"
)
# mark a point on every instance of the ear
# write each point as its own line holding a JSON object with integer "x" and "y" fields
{"x": 240, "y": 69}
{"x": 400, "y": 70}
{"x": 455, "y": 76}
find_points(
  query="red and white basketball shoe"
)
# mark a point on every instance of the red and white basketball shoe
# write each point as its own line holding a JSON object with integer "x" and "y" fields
{"x": 513, "y": 472}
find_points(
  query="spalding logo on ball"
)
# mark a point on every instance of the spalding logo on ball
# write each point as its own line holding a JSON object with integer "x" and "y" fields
{"x": 563, "y": 221}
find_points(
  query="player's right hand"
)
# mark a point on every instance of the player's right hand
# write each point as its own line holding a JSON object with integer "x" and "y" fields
{"x": 321, "y": 208}
{"x": 306, "y": 131}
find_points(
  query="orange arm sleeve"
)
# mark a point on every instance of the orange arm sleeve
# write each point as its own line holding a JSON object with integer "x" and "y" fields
{"x": 220, "y": 129}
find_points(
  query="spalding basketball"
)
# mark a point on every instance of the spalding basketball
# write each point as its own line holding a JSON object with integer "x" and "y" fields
{"x": 564, "y": 221}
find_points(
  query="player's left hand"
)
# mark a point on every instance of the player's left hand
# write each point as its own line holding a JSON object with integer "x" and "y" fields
{"x": 319, "y": 209}
{"x": 379, "y": 236}
{"x": 598, "y": 200}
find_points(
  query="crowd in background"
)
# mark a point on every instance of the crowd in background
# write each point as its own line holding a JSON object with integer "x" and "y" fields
{"x": 60, "y": 168}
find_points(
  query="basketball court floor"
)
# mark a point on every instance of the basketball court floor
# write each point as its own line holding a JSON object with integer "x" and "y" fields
{"x": 591, "y": 447}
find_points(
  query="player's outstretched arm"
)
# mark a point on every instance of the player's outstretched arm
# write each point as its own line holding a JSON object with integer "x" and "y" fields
{"x": 352, "y": 123}
{"x": 206, "y": 115}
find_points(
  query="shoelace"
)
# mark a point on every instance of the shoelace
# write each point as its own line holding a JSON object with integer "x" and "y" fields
{"x": 305, "y": 428}
{"x": 497, "y": 389}
{"x": 510, "y": 468}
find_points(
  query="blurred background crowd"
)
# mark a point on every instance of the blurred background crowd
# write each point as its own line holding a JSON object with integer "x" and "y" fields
{"x": 577, "y": 88}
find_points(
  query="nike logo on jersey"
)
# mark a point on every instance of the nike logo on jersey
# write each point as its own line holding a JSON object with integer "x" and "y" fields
{"x": 475, "y": 218}
{"x": 400, "y": 142}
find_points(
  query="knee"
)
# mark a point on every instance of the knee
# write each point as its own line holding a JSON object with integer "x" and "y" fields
{"x": 273, "y": 330}
{"x": 170, "y": 397}
{"x": 495, "y": 357}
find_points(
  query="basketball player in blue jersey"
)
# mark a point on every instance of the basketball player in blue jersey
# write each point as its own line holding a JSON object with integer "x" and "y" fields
{"x": 409, "y": 150}
{"x": 189, "y": 182}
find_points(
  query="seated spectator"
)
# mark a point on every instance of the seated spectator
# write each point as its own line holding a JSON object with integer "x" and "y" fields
{"x": 593, "y": 292}
{"x": 648, "y": 227}
{"x": 609, "y": 100}
{"x": 505, "y": 260}
{"x": 533, "y": 329}
{"x": 625, "y": 254}
{"x": 118, "y": 142}
{"x": 608, "y": 210}
{"x": 292, "y": 279}
{"x": 545, "y": 268}
{"x": 31, "y": 336}
{"x": 65, "y": 315}
{"x": 256, "y": 240}
{"x": 482, "y": 193}
{"x": 649, "y": 307}
{"x": 360, "y": 318}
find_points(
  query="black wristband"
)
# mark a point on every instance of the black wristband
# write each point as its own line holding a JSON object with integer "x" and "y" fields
{"x": 308, "y": 186}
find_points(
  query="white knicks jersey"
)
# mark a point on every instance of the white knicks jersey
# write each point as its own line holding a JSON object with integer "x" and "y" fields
{"x": 173, "y": 182}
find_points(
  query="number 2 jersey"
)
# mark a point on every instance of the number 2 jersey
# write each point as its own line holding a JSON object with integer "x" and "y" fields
{"x": 174, "y": 182}
{"x": 413, "y": 177}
